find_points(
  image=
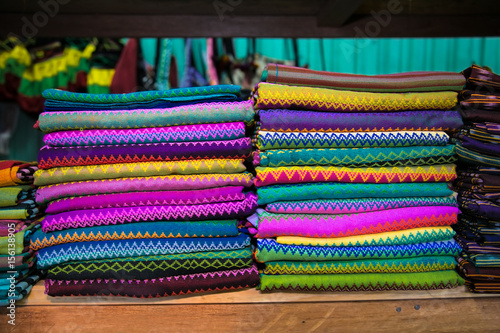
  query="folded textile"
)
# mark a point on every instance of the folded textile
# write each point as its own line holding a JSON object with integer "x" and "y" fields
{"x": 201, "y": 132}
{"x": 143, "y": 169}
{"x": 483, "y": 101}
{"x": 387, "y": 156}
{"x": 270, "y": 250}
{"x": 308, "y": 191}
{"x": 479, "y": 78}
{"x": 486, "y": 274}
{"x": 16, "y": 245}
{"x": 306, "y": 174}
{"x": 164, "y": 286}
{"x": 271, "y": 96}
{"x": 143, "y": 118}
{"x": 50, "y": 157}
{"x": 19, "y": 212}
{"x": 150, "y": 267}
{"x": 110, "y": 216}
{"x": 400, "y": 237}
{"x": 311, "y": 121}
{"x": 476, "y": 115}
{"x": 468, "y": 156}
{"x": 482, "y": 135}
{"x": 14, "y": 173}
{"x": 65, "y": 100}
{"x": 403, "y": 265}
{"x": 482, "y": 183}
{"x": 13, "y": 195}
{"x": 48, "y": 193}
{"x": 20, "y": 261}
{"x": 144, "y": 230}
{"x": 491, "y": 128}
{"x": 21, "y": 290}
{"x": 345, "y": 206}
{"x": 342, "y": 225}
{"x": 482, "y": 208}
{"x": 13, "y": 226}
{"x": 472, "y": 247}
{"x": 154, "y": 198}
{"x": 482, "y": 287}
{"x": 58, "y": 254}
{"x": 492, "y": 149}
{"x": 362, "y": 282}
{"x": 280, "y": 140}
{"x": 398, "y": 82}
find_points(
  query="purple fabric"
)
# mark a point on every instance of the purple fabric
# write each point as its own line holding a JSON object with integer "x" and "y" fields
{"x": 50, "y": 157}
{"x": 480, "y": 147}
{"x": 160, "y": 198}
{"x": 48, "y": 193}
{"x": 110, "y": 216}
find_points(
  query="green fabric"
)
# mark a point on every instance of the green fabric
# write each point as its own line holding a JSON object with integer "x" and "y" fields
{"x": 407, "y": 265}
{"x": 8, "y": 195}
{"x": 97, "y": 89}
{"x": 362, "y": 282}
{"x": 19, "y": 243}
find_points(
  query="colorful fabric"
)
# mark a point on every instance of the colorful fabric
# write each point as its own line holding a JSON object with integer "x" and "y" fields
{"x": 201, "y": 132}
{"x": 404, "y": 265}
{"x": 271, "y": 96}
{"x": 164, "y": 286}
{"x": 362, "y": 282}
{"x": 400, "y": 237}
{"x": 150, "y": 267}
{"x": 468, "y": 156}
{"x": 280, "y": 140}
{"x": 346, "y": 206}
{"x": 143, "y": 169}
{"x": 154, "y": 198}
{"x": 145, "y": 230}
{"x": 469, "y": 271}
{"x": 481, "y": 208}
{"x": 12, "y": 173}
{"x": 311, "y": 121}
{"x": 50, "y": 157}
{"x": 306, "y": 174}
{"x": 343, "y": 225}
{"x": 270, "y": 250}
{"x": 398, "y": 82}
{"x": 479, "y": 146}
{"x": 110, "y": 216}
{"x": 13, "y": 195}
{"x": 390, "y": 156}
{"x": 58, "y": 254}
{"x": 143, "y": 118}
{"x": 48, "y": 193}
{"x": 311, "y": 191}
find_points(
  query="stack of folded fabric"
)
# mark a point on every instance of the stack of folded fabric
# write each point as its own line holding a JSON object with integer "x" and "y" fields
{"x": 478, "y": 181}
{"x": 19, "y": 216}
{"x": 352, "y": 172}
{"x": 145, "y": 192}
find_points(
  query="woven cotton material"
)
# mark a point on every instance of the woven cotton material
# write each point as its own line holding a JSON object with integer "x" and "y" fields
{"x": 160, "y": 287}
{"x": 50, "y": 157}
{"x": 201, "y": 132}
{"x": 143, "y": 118}
{"x": 58, "y": 254}
{"x": 307, "y": 174}
{"x": 346, "y": 206}
{"x": 270, "y": 250}
{"x": 404, "y": 265}
{"x": 342, "y": 225}
{"x": 398, "y": 82}
{"x": 143, "y": 169}
{"x": 111, "y": 216}
{"x": 311, "y": 191}
{"x": 400, "y": 237}
{"x": 280, "y": 140}
{"x": 390, "y": 156}
{"x": 290, "y": 97}
{"x": 312, "y": 121}
{"x": 145, "y": 230}
{"x": 362, "y": 282}
{"x": 48, "y": 193}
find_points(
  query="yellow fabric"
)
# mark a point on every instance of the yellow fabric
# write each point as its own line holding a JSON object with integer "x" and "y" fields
{"x": 100, "y": 77}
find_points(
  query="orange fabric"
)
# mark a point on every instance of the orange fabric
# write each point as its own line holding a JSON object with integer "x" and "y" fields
{"x": 8, "y": 172}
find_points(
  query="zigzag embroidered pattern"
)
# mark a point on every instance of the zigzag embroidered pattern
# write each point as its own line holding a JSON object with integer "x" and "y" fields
{"x": 270, "y": 250}
{"x": 306, "y": 174}
{"x": 110, "y": 216}
{"x": 344, "y": 206}
{"x": 126, "y": 248}
{"x": 146, "y": 230}
{"x": 202, "y": 132}
{"x": 410, "y": 265}
{"x": 392, "y": 156}
{"x": 290, "y": 97}
{"x": 279, "y": 140}
{"x": 222, "y": 112}
{"x": 50, "y": 157}
{"x": 48, "y": 193}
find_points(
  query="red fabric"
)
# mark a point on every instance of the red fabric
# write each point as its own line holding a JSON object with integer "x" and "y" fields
{"x": 125, "y": 77}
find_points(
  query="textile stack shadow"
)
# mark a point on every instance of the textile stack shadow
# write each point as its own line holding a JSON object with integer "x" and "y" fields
{"x": 352, "y": 172}
{"x": 145, "y": 192}
{"x": 19, "y": 218}
{"x": 478, "y": 182}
